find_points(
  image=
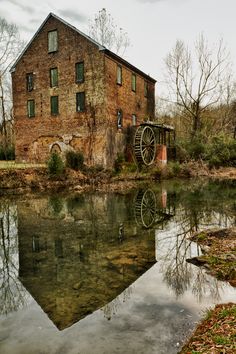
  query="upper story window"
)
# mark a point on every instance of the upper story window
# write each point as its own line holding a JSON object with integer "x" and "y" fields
{"x": 54, "y": 105}
{"x": 133, "y": 82}
{"x": 54, "y": 77}
{"x": 52, "y": 41}
{"x": 80, "y": 102}
{"x": 31, "y": 108}
{"x": 119, "y": 75}
{"x": 145, "y": 88}
{"x": 29, "y": 82}
{"x": 119, "y": 118}
{"x": 79, "y": 72}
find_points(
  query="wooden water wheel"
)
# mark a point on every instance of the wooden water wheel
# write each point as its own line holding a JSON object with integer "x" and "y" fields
{"x": 145, "y": 145}
{"x": 145, "y": 208}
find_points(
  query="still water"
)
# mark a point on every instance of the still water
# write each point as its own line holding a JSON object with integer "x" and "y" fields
{"x": 107, "y": 273}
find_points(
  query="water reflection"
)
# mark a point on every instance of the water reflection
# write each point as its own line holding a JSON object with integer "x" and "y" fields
{"x": 76, "y": 254}
{"x": 202, "y": 206}
{"x": 151, "y": 209}
{"x": 12, "y": 294}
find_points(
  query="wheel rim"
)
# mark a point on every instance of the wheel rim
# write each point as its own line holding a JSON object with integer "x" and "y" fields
{"x": 148, "y": 146}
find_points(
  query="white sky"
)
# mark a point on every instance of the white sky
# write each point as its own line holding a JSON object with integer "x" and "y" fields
{"x": 152, "y": 25}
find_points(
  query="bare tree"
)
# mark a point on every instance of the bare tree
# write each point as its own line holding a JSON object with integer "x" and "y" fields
{"x": 198, "y": 82}
{"x": 10, "y": 46}
{"x": 104, "y": 30}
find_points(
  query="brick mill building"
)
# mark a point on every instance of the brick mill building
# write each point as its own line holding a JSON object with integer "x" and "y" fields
{"x": 70, "y": 92}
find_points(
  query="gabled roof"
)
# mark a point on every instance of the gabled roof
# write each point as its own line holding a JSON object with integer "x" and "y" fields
{"x": 100, "y": 47}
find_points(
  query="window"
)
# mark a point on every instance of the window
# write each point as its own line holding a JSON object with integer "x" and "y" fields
{"x": 133, "y": 82}
{"x": 145, "y": 89}
{"x": 79, "y": 72}
{"x": 80, "y": 102}
{"x": 52, "y": 41}
{"x": 31, "y": 108}
{"x": 54, "y": 106}
{"x": 119, "y": 75}
{"x": 29, "y": 82}
{"x": 134, "y": 119}
{"x": 54, "y": 77}
{"x": 119, "y": 118}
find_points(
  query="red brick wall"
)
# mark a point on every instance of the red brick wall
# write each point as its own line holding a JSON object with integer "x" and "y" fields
{"x": 72, "y": 48}
{"x": 122, "y": 97}
{"x": 95, "y": 131}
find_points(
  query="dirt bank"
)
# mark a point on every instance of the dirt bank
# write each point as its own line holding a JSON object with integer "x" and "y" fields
{"x": 36, "y": 179}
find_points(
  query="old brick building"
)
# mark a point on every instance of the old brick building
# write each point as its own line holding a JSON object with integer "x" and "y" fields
{"x": 71, "y": 92}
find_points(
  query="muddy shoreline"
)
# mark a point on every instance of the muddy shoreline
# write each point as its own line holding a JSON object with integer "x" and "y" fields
{"x": 20, "y": 181}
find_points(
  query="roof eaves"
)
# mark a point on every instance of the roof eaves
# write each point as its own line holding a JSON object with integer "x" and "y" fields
{"x": 126, "y": 63}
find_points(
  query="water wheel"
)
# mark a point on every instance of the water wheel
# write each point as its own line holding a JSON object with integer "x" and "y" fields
{"x": 145, "y": 145}
{"x": 145, "y": 208}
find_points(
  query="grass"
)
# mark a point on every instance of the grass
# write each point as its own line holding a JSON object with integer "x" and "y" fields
{"x": 4, "y": 165}
{"x": 216, "y": 333}
{"x": 220, "y": 255}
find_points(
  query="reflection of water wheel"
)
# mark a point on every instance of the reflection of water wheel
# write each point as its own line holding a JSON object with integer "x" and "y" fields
{"x": 145, "y": 145}
{"x": 145, "y": 208}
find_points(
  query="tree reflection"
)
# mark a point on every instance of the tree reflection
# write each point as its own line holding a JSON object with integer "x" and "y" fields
{"x": 113, "y": 307}
{"x": 12, "y": 293}
{"x": 197, "y": 209}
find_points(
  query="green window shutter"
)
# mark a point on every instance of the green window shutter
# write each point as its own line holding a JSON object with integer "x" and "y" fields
{"x": 119, "y": 75}
{"x": 145, "y": 89}
{"x": 31, "y": 108}
{"x": 119, "y": 118}
{"x": 54, "y": 105}
{"x": 54, "y": 77}
{"x": 52, "y": 41}
{"x": 29, "y": 82}
{"x": 80, "y": 102}
{"x": 134, "y": 119}
{"x": 79, "y": 72}
{"x": 133, "y": 79}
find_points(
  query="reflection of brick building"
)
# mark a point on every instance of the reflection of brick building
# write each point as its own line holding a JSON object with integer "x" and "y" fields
{"x": 69, "y": 89}
{"x": 77, "y": 255}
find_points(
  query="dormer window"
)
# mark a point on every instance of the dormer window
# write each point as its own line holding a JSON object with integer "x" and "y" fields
{"x": 52, "y": 41}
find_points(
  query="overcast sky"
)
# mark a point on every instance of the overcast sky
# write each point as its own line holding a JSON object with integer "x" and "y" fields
{"x": 153, "y": 26}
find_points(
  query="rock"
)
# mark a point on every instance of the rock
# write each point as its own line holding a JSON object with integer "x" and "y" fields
{"x": 77, "y": 286}
{"x": 198, "y": 261}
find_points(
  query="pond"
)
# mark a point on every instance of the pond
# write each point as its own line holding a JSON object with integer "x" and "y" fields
{"x": 107, "y": 272}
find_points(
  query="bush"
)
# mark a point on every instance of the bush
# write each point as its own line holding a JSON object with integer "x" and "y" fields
{"x": 118, "y": 162}
{"x": 8, "y": 153}
{"x": 221, "y": 151}
{"x": 175, "y": 168}
{"x": 75, "y": 160}
{"x": 193, "y": 149}
{"x": 55, "y": 165}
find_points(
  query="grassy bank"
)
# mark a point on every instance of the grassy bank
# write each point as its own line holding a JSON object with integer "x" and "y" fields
{"x": 216, "y": 334}
{"x": 18, "y": 178}
{"x": 219, "y": 253}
